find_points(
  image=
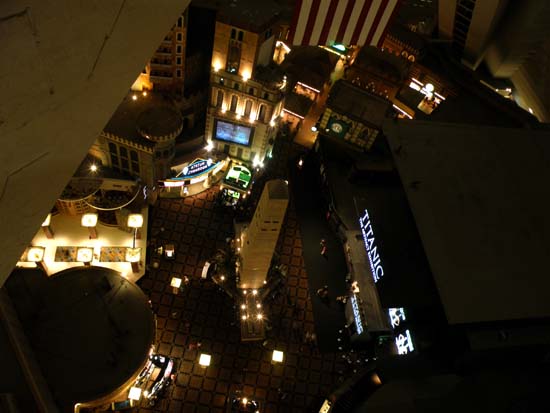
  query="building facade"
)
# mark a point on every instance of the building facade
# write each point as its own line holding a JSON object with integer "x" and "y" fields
{"x": 245, "y": 102}
{"x": 166, "y": 68}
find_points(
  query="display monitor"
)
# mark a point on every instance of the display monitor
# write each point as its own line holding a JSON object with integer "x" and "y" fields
{"x": 232, "y": 132}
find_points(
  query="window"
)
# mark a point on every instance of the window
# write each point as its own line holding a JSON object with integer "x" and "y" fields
{"x": 251, "y": 91}
{"x": 178, "y": 60}
{"x": 234, "y": 101}
{"x": 179, "y": 37}
{"x": 233, "y": 58}
{"x": 236, "y": 86}
{"x": 178, "y": 49}
{"x": 233, "y": 33}
{"x": 219, "y": 99}
{"x": 123, "y": 152}
{"x": 266, "y": 96}
{"x": 178, "y": 73}
{"x": 241, "y": 35}
{"x": 261, "y": 113}
{"x": 222, "y": 81}
{"x": 247, "y": 108}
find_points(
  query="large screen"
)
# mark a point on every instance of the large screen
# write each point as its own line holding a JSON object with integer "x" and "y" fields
{"x": 231, "y": 132}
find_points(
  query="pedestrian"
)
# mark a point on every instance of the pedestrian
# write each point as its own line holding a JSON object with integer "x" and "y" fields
{"x": 323, "y": 292}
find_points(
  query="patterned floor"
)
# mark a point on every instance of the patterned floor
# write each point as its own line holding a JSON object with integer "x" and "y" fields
{"x": 202, "y": 313}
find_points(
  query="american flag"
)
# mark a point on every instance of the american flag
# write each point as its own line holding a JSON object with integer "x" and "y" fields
{"x": 348, "y": 22}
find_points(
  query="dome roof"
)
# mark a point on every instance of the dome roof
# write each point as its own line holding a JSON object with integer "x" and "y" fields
{"x": 159, "y": 123}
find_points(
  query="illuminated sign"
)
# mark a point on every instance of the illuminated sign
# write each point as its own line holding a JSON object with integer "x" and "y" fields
{"x": 356, "y": 314}
{"x": 372, "y": 249}
{"x": 404, "y": 343}
{"x": 396, "y": 316}
{"x": 196, "y": 167}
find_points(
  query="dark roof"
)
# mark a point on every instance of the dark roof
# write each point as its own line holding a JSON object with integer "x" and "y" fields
{"x": 404, "y": 35}
{"x": 480, "y": 200}
{"x": 278, "y": 189}
{"x": 88, "y": 320}
{"x": 384, "y": 64}
{"x": 298, "y": 104}
{"x": 251, "y": 15}
{"x": 310, "y": 65}
{"x": 407, "y": 280}
{"x": 358, "y": 104}
{"x": 124, "y": 121}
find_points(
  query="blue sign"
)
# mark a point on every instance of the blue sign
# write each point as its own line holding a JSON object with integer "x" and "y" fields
{"x": 370, "y": 246}
{"x": 356, "y": 314}
{"x": 196, "y": 167}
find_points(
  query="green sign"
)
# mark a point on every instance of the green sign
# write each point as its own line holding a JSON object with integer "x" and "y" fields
{"x": 337, "y": 127}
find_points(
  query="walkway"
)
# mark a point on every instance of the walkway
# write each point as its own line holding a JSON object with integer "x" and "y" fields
{"x": 331, "y": 271}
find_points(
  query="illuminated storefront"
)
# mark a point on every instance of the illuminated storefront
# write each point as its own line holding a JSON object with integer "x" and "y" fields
{"x": 236, "y": 183}
{"x": 196, "y": 172}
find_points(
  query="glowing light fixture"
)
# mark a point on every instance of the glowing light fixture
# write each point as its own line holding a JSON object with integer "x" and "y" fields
{"x": 175, "y": 282}
{"x": 89, "y": 220}
{"x": 135, "y": 220}
{"x": 135, "y": 393}
{"x": 47, "y": 220}
{"x": 204, "y": 359}
{"x": 277, "y": 356}
{"x": 93, "y": 167}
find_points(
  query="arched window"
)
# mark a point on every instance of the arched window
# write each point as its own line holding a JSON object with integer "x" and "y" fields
{"x": 234, "y": 102}
{"x": 247, "y": 108}
{"x": 261, "y": 113}
{"x": 219, "y": 99}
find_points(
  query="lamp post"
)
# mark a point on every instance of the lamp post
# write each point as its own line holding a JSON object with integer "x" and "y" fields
{"x": 36, "y": 255}
{"x": 90, "y": 221}
{"x": 135, "y": 221}
{"x": 47, "y": 228}
{"x": 85, "y": 255}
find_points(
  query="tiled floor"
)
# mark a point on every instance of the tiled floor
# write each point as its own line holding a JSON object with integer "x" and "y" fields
{"x": 202, "y": 313}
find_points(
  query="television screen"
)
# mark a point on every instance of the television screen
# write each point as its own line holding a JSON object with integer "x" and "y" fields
{"x": 231, "y": 132}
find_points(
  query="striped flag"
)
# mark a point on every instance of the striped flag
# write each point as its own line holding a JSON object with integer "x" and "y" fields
{"x": 347, "y": 22}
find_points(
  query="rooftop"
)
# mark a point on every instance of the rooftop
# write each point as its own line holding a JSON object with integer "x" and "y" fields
{"x": 298, "y": 104}
{"x": 251, "y": 15}
{"x": 358, "y": 104}
{"x": 90, "y": 328}
{"x": 278, "y": 189}
{"x": 481, "y": 214}
{"x": 152, "y": 113}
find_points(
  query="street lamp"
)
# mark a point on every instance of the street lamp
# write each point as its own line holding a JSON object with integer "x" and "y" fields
{"x": 135, "y": 221}
{"x": 204, "y": 360}
{"x": 47, "y": 228}
{"x": 277, "y": 356}
{"x": 90, "y": 221}
{"x": 85, "y": 255}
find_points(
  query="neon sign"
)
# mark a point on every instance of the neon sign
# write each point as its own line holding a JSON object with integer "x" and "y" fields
{"x": 396, "y": 316}
{"x": 404, "y": 343}
{"x": 196, "y": 167}
{"x": 356, "y": 314}
{"x": 372, "y": 249}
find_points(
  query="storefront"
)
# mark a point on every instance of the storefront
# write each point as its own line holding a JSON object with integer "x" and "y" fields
{"x": 236, "y": 183}
{"x": 193, "y": 177}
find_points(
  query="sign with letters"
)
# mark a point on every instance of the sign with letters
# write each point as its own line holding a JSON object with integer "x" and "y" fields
{"x": 397, "y": 315}
{"x": 196, "y": 167}
{"x": 371, "y": 247}
{"x": 356, "y": 314}
{"x": 404, "y": 343}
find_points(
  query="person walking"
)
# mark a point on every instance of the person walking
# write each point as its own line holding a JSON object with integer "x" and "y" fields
{"x": 324, "y": 248}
